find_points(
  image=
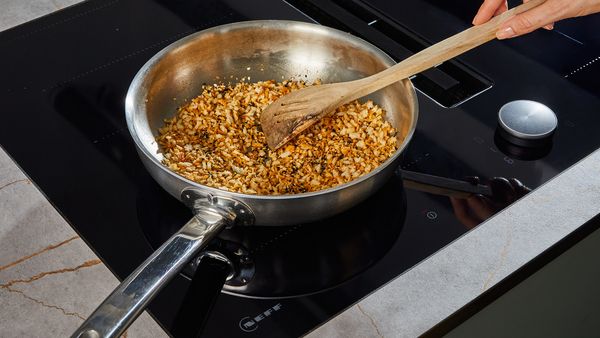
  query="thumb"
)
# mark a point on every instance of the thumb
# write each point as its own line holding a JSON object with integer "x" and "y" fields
{"x": 527, "y": 21}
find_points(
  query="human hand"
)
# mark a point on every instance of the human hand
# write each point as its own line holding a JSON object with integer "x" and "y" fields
{"x": 543, "y": 15}
{"x": 475, "y": 209}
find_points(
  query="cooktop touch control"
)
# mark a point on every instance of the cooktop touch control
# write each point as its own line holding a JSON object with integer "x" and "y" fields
{"x": 527, "y": 123}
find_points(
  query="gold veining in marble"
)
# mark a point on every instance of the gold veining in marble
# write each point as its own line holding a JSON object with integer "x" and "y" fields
{"x": 51, "y": 306}
{"x": 370, "y": 319}
{"x": 15, "y": 182}
{"x": 8, "y": 286}
{"x": 46, "y": 249}
{"x": 85, "y": 264}
{"x": 502, "y": 259}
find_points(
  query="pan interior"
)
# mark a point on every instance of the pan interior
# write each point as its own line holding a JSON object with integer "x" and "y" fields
{"x": 266, "y": 50}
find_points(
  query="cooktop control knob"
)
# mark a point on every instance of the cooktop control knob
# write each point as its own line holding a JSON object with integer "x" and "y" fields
{"x": 527, "y": 123}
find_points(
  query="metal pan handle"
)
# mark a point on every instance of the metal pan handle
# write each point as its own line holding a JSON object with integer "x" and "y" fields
{"x": 130, "y": 298}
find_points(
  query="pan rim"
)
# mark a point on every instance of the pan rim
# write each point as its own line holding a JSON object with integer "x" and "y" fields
{"x": 283, "y": 24}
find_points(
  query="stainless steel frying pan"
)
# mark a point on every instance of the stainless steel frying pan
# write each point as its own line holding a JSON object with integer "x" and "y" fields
{"x": 256, "y": 50}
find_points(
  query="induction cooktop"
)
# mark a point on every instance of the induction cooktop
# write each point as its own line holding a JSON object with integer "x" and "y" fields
{"x": 64, "y": 81}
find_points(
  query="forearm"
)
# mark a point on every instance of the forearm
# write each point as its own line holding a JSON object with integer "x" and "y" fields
{"x": 543, "y": 15}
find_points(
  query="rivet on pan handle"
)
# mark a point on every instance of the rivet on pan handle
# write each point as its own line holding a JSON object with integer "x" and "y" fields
{"x": 200, "y": 200}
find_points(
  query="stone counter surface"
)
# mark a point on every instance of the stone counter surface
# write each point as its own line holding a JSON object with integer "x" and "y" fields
{"x": 454, "y": 276}
{"x": 50, "y": 280}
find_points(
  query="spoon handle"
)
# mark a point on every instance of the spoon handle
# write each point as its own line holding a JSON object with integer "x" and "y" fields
{"x": 439, "y": 52}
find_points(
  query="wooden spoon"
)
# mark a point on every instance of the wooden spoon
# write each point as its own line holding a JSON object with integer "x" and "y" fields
{"x": 295, "y": 112}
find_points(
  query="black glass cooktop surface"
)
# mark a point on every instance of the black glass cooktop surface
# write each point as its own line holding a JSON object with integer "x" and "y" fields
{"x": 64, "y": 79}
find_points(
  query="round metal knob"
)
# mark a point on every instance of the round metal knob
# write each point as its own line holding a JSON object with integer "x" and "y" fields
{"x": 526, "y": 122}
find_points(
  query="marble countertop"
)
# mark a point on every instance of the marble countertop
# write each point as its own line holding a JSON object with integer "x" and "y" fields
{"x": 437, "y": 287}
{"x": 50, "y": 280}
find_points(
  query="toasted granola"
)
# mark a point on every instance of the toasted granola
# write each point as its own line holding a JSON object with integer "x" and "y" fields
{"x": 216, "y": 140}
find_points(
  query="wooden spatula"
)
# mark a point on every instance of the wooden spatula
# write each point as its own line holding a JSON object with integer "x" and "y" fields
{"x": 295, "y": 112}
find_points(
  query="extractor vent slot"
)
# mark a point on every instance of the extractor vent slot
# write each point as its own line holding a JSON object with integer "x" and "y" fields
{"x": 448, "y": 84}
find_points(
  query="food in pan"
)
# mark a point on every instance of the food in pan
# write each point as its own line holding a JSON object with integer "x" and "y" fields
{"x": 216, "y": 140}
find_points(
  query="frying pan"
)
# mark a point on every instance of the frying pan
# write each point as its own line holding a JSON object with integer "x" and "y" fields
{"x": 254, "y": 50}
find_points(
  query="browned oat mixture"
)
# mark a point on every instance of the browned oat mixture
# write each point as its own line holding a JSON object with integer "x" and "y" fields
{"x": 216, "y": 140}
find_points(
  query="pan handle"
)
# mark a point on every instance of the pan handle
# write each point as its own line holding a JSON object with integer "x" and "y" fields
{"x": 130, "y": 298}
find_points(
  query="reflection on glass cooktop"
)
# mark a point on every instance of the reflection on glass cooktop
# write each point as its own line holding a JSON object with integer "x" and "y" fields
{"x": 293, "y": 260}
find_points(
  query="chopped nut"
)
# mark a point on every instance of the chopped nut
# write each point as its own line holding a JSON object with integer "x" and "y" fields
{"x": 216, "y": 140}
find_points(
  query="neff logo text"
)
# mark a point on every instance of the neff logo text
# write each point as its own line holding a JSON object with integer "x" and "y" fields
{"x": 250, "y": 324}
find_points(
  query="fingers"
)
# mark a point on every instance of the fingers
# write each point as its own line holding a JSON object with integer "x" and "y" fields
{"x": 480, "y": 207}
{"x": 461, "y": 211}
{"x": 488, "y": 9}
{"x": 543, "y": 15}
{"x": 503, "y": 8}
